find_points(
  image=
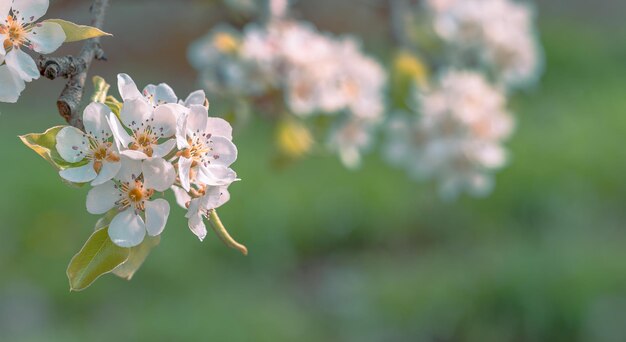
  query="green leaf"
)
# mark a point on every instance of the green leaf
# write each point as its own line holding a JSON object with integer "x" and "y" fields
{"x": 101, "y": 88}
{"x": 44, "y": 144}
{"x": 98, "y": 256}
{"x": 138, "y": 255}
{"x": 114, "y": 105}
{"x": 74, "y": 32}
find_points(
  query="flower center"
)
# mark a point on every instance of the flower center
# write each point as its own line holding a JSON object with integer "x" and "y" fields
{"x": 225, "y": 42}
{"x": 16, "y": 33}
{"x": 144, "y": 140}
{"x": 99, "y": 152}
{"x": 133, "y": 194}
{"x": 199, "y": 149}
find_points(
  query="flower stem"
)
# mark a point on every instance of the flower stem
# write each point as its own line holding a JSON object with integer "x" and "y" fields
{"x": 222, "y": 233}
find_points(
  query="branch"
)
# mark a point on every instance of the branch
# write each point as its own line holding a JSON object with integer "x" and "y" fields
{"x": 75, "y": 69}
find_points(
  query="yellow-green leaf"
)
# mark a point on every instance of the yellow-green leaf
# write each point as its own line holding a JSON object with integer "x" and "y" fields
{"x": 138, "y": 255}
{"x": 75, "y": 32}
{"x": 44, "y": 144}
{"x": 114, "y": 105}
{"x": 98, "y": 256}
{"x": 101, "y": 88}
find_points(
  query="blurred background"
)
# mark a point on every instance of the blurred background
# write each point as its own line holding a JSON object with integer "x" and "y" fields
{"x": 339, "y": 255}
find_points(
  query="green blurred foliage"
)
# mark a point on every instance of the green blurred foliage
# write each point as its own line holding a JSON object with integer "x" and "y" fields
{"x": 355, "y": 256}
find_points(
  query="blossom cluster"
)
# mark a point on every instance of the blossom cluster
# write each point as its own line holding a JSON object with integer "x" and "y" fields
{"x": 457, "y": 137}
{"x": 499, "y": 34}
{"x": 19, "y": 31}
{"x": 156, "y": 143}
{"x": 310, "y": 73}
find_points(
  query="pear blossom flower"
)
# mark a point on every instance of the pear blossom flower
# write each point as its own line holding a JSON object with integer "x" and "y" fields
{"x": 199, "y": 208}
{"x": 149, "y": 127}
{"x": 18, "y": 30}
{"x": 350, "y": 140}
{"x": 94, "y": 145}
{"x": 154, "y": 95}
{"x": 205, "y": 146}
{"x": 457, "y": 137}
{"x": 131, "y": 194}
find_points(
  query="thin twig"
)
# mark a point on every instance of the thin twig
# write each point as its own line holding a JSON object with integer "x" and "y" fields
{"x": 75, "y": 69}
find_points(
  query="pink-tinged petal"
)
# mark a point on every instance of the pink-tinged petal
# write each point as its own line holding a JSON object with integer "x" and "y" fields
{"x": 12, "y": 85}
{"x": 164, "y": 119}
{"x": 130, "y": 170}
{"x": 22, "y": 65}
{"x": 219, "y": 127}
{"x": 102, "y": 198}
{"x": 223, "y": 151}
{"x": 198, "y": 97}
{"x": 158, "y": 174}
{"x": 81, "y": 174}
{"x": 127, "y": 229}
{"x": 122, "y": 138}
{"x": 133, "y": 154}
{"x": 135, "y": 112}
{"x": 157, "y": 212}
{"x": 127, "y": 87}
{"x": 184, "y": 168}
{"x": 72, "y": 144}
{"x": 197, "y": 119}
{"x": 163, "y": 149}
{"x": 161, "y": 94}
{"x": 107, "y": 172}
{"x": 182, "y": 197}
{"x": 95, "y": 121}
{"x": 46, "y": 37}
{"x": 27, "y": 11}
{"x": 216, "y": 175}
{"x": 5, "y": 6}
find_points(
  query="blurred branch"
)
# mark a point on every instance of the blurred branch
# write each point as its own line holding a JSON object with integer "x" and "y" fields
{"x": 75, "y": 69}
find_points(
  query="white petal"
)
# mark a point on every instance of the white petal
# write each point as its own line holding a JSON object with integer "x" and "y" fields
{"x": 163, "y": 149}
{"x": 102, "y": 198}
{"x": 198, "y": 97}
{"x": 181, "y": 132}
{"x": 81, "y": 174}
{"x": 223, "y": 151}
{"x": 157, "y": 212}
{"x": 107, "y": 172}
{"x": 122, "y": 138}
{"x": 162, "y": 93}
{"x": 196, "y": 222}
{"x": 127, "y": 229}
{"x": 136, "y": 155}
{"x": 216, "y": 175}
{"x": 219, "y": 127}
{"x": 22, "y": 64}
{"x": 164, "y": 119}
{"x": 30, "y": 10}
{"x": 127, "y": 87}
{"x": 46, "y": 37}
{"x": 184, "y": 168}
{"x": 5, "y": 6}
{"x": 95, "y": 120}
{"x": 215, "y": 197}
{"x": 182, "y": 197}
{"x": 135, "y": 112}
{"x": 197, "y": 119}
{"x": 12, "y": 85}
{"x": 130, "y": 169}
{"x": 158, "y": 174}
{"x": 72, "y": 144}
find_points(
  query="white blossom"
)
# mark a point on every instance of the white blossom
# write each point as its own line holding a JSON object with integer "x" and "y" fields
{"x": 131, "y": 193}
{"x": 499, "y": 32}
{"x": 18, "y": 31}
{"x": 94, "y": 145}
{"x": 457, "y": 137}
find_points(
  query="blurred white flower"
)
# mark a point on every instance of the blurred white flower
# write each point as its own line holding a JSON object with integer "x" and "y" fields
{"x": 499, "y": 32}
{"x": 131, "y": 194}
{"x": 457, "y": 137}
{"x": 95, "y": 145}
{"x": 350, "y": 139}
{"x": 18, "y": 30}
{"x": 199, "y": 208}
